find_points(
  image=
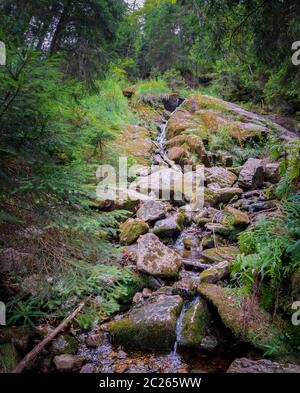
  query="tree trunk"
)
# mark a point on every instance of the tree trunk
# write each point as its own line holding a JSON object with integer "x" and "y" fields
{"x": 59, "y": 27}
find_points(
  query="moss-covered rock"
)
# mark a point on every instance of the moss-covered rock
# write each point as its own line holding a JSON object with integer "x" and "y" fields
{"x": 229, "y": 232}
{"x": 179, "y": 122}
{"x": 190, "y": 241}
{"x": 180, "y": 154}
{"x": 201, "y": 221}
{"x": 135, "y": 141}
{"x": 9, "y": 357}
{"x": 212, "y": 240}
{"x": 150, "y": 325}
{"x": 215, "y": 273}
{"x": 131, "y": 229}
{"x": 195, "y": 324}
{"x": 186, "y": 149}
{"x": 216, "y": 196}
{"x": 220, "y": 254}
{"x": 182, "y": 219}
{"x": 234, "y": 217}
{"x": 250, "y": 324}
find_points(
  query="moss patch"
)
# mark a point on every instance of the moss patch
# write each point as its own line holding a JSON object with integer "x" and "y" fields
{"x": 9, "y": 357}
{"x": 251, "y": 324}
{"x": 131, "y": 229}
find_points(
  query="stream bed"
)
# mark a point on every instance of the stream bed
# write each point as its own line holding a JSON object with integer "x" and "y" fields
{"x": 101, "y": 356}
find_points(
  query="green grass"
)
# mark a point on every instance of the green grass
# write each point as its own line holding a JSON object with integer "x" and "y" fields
{"x": 151, "y": 86}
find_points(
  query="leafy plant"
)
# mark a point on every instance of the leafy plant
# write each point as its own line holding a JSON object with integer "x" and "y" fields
{"x": 25, "y": 312}
{"x": 270, "y": 249}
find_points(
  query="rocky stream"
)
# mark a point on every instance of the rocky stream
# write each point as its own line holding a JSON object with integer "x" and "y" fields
{"x": 186, "y": 316}
{"x": 186, "y": 319}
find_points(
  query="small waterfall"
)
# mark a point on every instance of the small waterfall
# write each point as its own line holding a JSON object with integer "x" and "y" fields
{"x": 187, "y": 304}
{"x": 179, "y": 327}
{"x": 162, "y": 136}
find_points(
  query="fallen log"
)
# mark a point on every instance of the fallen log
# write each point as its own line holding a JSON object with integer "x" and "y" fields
{"x": 25, "y": 362}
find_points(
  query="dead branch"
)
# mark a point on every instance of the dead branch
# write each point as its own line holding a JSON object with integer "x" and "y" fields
{"x": 25, "y": 362}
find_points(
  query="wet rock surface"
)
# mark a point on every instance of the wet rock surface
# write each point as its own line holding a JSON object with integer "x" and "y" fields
{"x": 264, "y": 366}
{"x": 194, "y": 324}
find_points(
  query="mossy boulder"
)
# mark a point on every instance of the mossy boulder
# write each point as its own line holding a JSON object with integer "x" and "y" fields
{"x": 194, "y": 143}
{"x": 234, "y": 217}
{"x": 212, "y": 240}
{"x": 215, "y": 273}
{"x": 9, "y": 357}
{"x": 148, "y": 326}
{"x": 229, "y": 232}
{"x": 180, "y": 121}
{"x": 186, "y": 149}
{"x": 131, "y": 229}
{"x": 250, "y": 324}
{"x": 216, "y": 196}
{"x": 180, "y": 154}
{"x": 219, "y": 254}
{"x": 157, "y": 259}
{"x": 195, "y": 324}
{"x": 201, "y": 221}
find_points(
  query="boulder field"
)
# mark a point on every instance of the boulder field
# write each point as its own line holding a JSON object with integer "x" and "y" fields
{"x": 190, "y": 251}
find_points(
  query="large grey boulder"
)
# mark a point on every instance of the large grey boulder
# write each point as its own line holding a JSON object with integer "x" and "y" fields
{"x": 157, "y": 259}
{"x": 219, "y": 175}
{"x": 244, "y": 365}
{"x": 152, "y": 210}
{"x": 252, "y": 174}
{"x": 150, "y": 325}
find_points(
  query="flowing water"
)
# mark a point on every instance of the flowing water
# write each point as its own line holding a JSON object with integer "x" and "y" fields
{"x": 107, "y": 358}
